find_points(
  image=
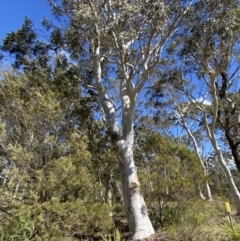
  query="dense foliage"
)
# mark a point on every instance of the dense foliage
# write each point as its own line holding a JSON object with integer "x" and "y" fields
{"x": 62, "y": 169}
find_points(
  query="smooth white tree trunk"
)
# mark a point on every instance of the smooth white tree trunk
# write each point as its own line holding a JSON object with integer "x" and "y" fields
{"x": 138, "y": 220}
{"x": 183, "y": 123}
{"x": 212, "y": 137}
{"x": 117, "y": 191}
{"x": 228, "y": 173}
{"x": 16, "y": 190}
{"x": 209, "y": 193}
{"x": 139, "y": 223}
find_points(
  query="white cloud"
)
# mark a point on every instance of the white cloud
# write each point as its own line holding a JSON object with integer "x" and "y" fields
{"x": 203, "y": 101}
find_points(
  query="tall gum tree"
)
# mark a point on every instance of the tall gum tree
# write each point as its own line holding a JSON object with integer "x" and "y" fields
{"x": 210, "y": 53}
{"x": 186, "y": 116}
{"x": 122, "y": 41}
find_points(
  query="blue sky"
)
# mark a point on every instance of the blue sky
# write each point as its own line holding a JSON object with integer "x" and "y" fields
{"x": 13, "y": 13}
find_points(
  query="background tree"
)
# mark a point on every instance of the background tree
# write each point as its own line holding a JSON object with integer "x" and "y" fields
{"x": 210, "y": 51}
{"x": 185, "y": 121}
{"x": 169, "y": 173}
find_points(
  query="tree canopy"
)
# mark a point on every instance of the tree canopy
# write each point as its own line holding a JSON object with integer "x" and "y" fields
{"x": 96, "y": 110}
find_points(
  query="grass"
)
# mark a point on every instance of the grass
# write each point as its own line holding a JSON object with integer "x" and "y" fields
{"x": 116, "y": 236}
{"x": 205, "y": 221}
{"x": 202, "y": 220}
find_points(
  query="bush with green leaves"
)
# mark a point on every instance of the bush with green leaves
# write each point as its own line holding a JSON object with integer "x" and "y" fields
{"x": 48, "y": 190}
{"x": 170, "y": 174}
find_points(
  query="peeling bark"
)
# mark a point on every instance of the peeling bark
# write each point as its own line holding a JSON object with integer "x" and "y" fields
{"x": 139, "y": 223}
{"x": 138, "y": 220}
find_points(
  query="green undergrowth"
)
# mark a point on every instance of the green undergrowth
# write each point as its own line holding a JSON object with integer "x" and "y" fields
{"x": 203, "y": 220}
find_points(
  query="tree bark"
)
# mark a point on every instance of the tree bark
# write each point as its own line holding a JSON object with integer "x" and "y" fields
{"x": 234, "y": 148}
{"x": 231, "y": 182}
{"x": 139, "y": 223}
{"x": 208, "y": 190}
{"x": 212, "y": 137}
{"x": 138, "y": 220}
{"x": 117, "y": 191}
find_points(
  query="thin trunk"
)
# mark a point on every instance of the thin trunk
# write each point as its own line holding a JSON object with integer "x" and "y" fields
{"x": 165, "y": 177}
{"x": 5, "y": 180}
{"x": 201, "y": 195}
{"x": 149, "y": 179}
{"x": 16, "y": 190}
{"x": 234, "y": 148}
{"x": 199, "y": 191}
{"x": 208, "y": 190}
{"x": 229, "y": 117}
{"x": 209, "y": 193}
{"x": 108, "y": 197}
{"x": 117, "y": 191}
{"x": 212, "y": 137}
{"x": 231, "y": 182}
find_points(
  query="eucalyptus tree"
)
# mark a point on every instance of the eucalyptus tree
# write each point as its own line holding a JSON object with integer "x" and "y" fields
{"x": 122, "y": 41}
{"x": 209, "y": 57}
{"x": 185, "y": 116}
